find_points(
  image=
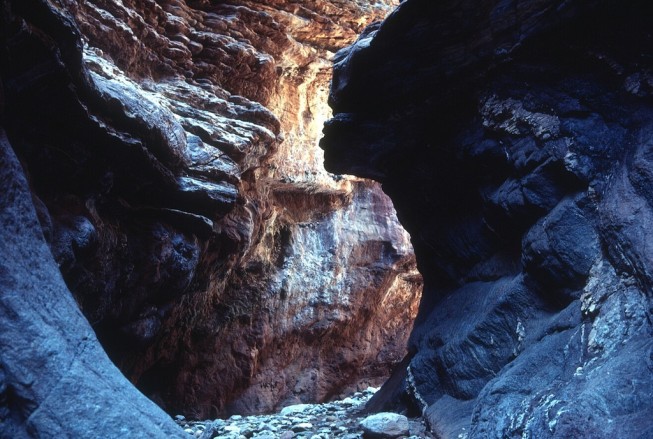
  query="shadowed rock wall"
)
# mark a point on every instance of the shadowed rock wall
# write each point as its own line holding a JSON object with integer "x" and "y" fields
{"x": 514, "y": 138}
{"x": 171, "y": 151}
{"x": 55, "y": 379}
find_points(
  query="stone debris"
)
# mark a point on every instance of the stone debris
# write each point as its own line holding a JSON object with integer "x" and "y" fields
{"x": 338, "y": 419}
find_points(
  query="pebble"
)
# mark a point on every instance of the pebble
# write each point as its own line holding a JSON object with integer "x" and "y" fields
{"x": 232, "y": 429}
{"x": 294, "y": 409}
{"x": 304, "y": 426}
{"x": 333, "y": 420}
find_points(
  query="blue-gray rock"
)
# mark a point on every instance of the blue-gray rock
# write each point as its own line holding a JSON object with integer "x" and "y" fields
{"x": 55, "y": 379}
{"x": 296, "y": 409}
{"x": 385, "y": 425}
{"x": 517, "y": 152}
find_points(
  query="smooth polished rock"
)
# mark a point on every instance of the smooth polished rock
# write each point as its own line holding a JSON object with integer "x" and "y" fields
{"x": 49, "y": 353}
{"x": 385, "y": 425}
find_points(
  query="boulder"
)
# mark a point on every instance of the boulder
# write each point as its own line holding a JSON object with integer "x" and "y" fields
{"x": 385, "y": 425}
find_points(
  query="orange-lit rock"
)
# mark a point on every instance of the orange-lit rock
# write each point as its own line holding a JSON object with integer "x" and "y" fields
{"x": 222, "y": 268}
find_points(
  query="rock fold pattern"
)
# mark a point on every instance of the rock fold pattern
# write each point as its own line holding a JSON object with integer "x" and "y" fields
{"x": 514, "y": 138}
{"x": 171, "y": 153}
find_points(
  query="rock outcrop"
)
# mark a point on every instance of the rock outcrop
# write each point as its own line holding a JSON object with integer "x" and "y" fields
{"x": 514, "y": 139}
{"x": 55, "y": 379}
{"x": 171, "y": 153}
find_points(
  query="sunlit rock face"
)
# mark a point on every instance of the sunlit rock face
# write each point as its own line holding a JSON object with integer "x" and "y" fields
{"x": 514, "y": 139}
{"x": 172, "y": 152}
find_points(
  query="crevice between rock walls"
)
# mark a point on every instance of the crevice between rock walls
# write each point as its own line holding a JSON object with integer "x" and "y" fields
{"x": 171, "y": 152}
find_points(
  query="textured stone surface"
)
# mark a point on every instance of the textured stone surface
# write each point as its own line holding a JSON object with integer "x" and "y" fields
{"x": 385, "y": 425}
{"x": 171, "y": 149}
{"x": 513, "y": 139}
{"x": 340, "y": 419}
{"x": 55, "y": 379}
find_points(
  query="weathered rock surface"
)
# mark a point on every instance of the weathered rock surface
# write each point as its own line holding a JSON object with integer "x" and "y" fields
{"x": 170, "y": 148}
{"x": 385, "y": 425}
{"x": 55, "y": 379}
{"x": 514, "y": 139}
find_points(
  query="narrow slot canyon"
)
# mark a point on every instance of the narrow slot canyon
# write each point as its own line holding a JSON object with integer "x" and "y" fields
{"x": 198, "y": 225}
{"x": 178, "y": 181}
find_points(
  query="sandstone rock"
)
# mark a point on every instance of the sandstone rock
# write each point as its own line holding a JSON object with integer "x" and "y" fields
{"x": 385, "y": 425}
{"x": 171, "y": 147}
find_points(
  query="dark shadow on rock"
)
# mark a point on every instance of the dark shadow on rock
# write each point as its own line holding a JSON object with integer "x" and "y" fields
{"x": 56, "y": 381}
{"x": 514, "y": 140}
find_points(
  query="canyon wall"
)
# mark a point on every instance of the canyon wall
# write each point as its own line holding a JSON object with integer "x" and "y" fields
{"x": 55, "y": 379}
{"x": 514, "y": 138}
{"x": 170, "y": 149}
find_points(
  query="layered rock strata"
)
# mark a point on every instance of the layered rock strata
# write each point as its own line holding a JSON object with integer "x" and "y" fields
{"x": 514, "y": 139}
{"x": 162, "y": 141}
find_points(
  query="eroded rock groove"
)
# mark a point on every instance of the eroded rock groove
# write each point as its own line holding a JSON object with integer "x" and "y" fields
{"x": 171, "y": 150}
